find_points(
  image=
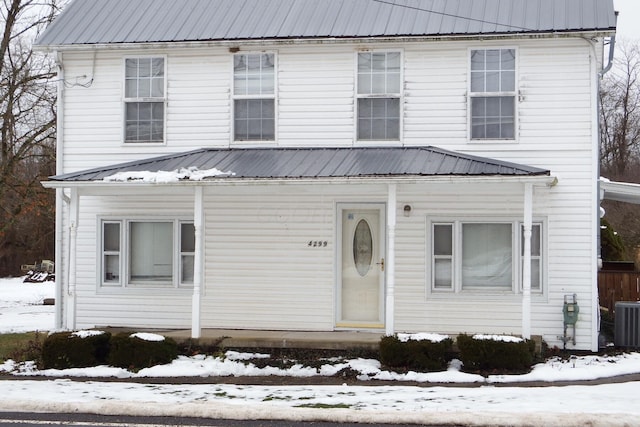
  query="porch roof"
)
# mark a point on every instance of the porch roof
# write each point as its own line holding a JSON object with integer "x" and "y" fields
{"x": 302, "y": 163}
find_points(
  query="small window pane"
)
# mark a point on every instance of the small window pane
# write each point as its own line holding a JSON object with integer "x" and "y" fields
{"x": 492, "y": 59}
{"x": 535, "y": 275}
{"x": 151, "y": 246}
{"x": 111, "y": 269}
{"x": 443, "y": 277}
{"x": 187, "y": 238}
{"x": 157, "y": 67}
{"x": 442, "y": 239}
{"x": 487, "y": 255}
{"x": 477, "y": 60}
{"x": 144, "y": 67}
{"x": 187, "y": 269}
{"x": 111, "y": 237}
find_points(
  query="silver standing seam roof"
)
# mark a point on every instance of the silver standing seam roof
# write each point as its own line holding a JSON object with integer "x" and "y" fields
{"x": 90, "y": 22}
{"x": 299, "y": 163}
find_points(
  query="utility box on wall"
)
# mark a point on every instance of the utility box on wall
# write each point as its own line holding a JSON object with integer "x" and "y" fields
{"x": 627, "y": 330}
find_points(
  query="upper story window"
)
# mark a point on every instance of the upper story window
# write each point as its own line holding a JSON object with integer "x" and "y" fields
{"x": 144, "y": 95}
{"x": 254, "y": 97}
{"x": 493, "y": 93}
{"x": 379, "y": 96}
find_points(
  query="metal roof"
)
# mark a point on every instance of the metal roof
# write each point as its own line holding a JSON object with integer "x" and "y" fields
{"x": 147, "y": 21}
{"x": 298, "y": 163}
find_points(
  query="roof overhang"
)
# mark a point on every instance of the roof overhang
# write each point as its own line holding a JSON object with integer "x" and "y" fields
{"x": 620, "y": 191}
{"x": 303, "y": 166}
{"x": 587, "y": 34}
{"x": 99, "y": 186}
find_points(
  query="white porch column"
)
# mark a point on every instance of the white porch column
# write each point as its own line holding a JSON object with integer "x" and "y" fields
{"x": 197, "y": 263}
{"x": 72, "y": 276}
{"x": 526, "y": 263}
{"x": 391, "y": 260}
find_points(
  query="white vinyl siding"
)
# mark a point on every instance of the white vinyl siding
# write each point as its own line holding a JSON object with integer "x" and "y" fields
{"x": 263, "y": 225}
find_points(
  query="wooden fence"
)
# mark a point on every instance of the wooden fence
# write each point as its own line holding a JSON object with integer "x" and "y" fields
{"x": 614, "y": 286}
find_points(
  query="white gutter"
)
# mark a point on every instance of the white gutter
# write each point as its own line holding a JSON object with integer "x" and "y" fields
{"x": 252, "y": 43}
{"x": 444, "y": 179}
{"x": 526, "y": 263}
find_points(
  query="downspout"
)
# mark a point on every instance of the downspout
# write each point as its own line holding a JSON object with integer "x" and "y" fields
{"x": 526, "y": 264}
{"x": 196, "y": 326}
{"x": 595, "y": 303}
{"x": 60, "y": 273}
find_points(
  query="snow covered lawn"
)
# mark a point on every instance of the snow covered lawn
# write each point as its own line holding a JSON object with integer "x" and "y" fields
{"x": 21, "y": 306}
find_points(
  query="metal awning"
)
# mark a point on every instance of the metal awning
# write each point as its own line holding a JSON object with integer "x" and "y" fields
{"x": 237, "y": 164}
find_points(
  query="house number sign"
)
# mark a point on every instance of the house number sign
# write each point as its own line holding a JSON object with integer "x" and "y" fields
{"x": 317, "y": 244}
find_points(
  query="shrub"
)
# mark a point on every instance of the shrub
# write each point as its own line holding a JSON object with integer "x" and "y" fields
{"x": 134, "y": 353}
{"x": 492, "y": 355}
{"x": 64, "y": 350}
{"x": 418, "y": 355}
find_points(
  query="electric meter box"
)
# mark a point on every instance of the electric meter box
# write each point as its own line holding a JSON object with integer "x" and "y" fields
{"x": 570, "y": 311}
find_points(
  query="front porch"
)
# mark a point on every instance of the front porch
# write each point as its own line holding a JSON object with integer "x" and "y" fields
{"x": 235, "y": 338}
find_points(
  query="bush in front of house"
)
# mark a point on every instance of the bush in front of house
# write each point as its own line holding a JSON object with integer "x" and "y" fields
{"x": 481, "y": 353}
{"x": 79, "y": 349}
{"x": 139, "y": 351}
{"x": 422, "y": 355}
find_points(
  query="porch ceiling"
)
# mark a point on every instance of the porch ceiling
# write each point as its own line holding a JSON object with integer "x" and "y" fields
{"x": 307, "y": 163}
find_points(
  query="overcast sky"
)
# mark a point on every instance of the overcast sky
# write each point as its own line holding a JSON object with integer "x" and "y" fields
{"x": 628, "y": 19}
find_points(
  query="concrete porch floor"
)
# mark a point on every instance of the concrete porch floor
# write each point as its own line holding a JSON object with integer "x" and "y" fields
{"x": 232, "y": 338}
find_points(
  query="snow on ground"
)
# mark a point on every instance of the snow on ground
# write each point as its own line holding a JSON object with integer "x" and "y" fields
{"x": 479, "y": 401}
{"x": 21, "y": 308}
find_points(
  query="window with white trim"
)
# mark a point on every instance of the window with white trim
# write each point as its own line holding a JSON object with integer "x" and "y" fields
{"x": 378, "y": 92}
{"x": 493, "y": 93}
{"x": 147, "y": 253}
{"x": 254, "y": 96}
{"x": 144, "y": 100}
{"x": 479, "y": 256}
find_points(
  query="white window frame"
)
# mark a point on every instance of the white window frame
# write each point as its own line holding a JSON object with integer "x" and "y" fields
{"x": 124, "y": 253}
{"x": 456, "y": 257}
{"x": 492, "y": 94}
{"x": 144, "y": 99}
{"x": 386, "y": 95}
{"x": 257, "y": 96}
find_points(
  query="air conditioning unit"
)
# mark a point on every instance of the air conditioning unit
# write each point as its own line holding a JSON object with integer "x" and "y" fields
{"x": 627, "y": 332}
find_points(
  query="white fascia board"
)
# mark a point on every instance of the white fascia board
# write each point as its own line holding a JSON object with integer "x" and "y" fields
{"x": 538, "y": 180}
{"x": 621, "y": 191}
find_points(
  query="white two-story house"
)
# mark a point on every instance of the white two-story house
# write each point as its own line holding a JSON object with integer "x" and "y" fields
{"x": 325, "y": 165}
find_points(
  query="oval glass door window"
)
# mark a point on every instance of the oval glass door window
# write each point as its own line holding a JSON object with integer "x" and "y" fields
{"x": 362, "y": 247}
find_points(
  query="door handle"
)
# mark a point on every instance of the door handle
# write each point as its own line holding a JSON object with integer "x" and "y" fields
{"x": 381, "y": 264}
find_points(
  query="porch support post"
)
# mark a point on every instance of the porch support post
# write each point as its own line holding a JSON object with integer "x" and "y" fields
{"x": 391, "y": 260}
{"x": 526, "y": 264}
{"x": 72, "y": 276}
{"x": 197, "y": 263}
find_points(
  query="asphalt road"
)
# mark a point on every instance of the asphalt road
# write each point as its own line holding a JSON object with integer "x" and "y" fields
{"x": 32, "y": 419}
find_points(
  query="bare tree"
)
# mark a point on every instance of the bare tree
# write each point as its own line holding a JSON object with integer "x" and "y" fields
{"x": 620, "y": 115}
{"x": 27, "y": 135}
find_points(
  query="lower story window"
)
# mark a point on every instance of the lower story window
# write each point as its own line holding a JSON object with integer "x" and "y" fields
{"x": 147, "y": 253}
{"x": 469, "y": 255}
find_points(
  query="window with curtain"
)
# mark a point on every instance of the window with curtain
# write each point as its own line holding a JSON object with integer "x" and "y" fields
{"x": 157, "y": 253}
{"x": 493, "y": 93}
{"x": 254, "y": 97}
{"x": 144, "y": 100}
{"x": 378, "y": 95}
{"x": 469, "y": 255}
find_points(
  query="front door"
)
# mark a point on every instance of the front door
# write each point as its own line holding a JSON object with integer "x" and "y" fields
{"x": 361, "y": 265}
